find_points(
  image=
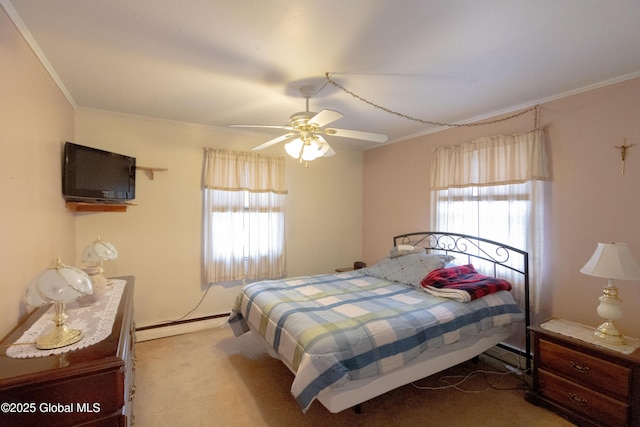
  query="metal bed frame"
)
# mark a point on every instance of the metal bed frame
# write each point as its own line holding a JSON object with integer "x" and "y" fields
{"x": 480, "y": 249}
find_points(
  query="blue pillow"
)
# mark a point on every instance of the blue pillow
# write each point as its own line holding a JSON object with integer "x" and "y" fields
{"x": 409, "y": 269}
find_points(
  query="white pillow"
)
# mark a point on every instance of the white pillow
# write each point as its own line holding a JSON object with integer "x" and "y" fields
{"x": 409, "y": 269}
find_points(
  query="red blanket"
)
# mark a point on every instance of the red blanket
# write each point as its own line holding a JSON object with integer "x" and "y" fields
{"x": 462, "y": 280}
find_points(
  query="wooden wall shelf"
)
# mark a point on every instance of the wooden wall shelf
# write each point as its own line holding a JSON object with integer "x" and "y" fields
{"x": 97, "y": 207}
{"x": 151, "y": 171}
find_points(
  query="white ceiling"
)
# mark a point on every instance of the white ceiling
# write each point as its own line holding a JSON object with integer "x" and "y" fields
{"x": 221, "y": 62}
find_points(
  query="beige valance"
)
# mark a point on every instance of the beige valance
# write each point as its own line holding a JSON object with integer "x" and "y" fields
{"x": 237, "y": 171}
{"x": 503, "y": 159}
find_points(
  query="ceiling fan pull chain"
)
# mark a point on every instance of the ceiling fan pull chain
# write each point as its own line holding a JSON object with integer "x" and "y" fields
{"x": 428, "y": 122}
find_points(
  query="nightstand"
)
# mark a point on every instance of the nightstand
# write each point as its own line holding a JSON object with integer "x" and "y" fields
{"x": 583, "y": 382}
{"x": 356, "y": 266}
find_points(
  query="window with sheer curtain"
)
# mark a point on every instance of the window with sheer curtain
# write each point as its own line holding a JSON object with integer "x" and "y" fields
{"x": 494, "y": 187}
{"x": 244, "y": 215}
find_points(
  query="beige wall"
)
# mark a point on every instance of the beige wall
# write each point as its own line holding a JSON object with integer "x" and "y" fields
{"x": 35, "y": 119}
{"x": 159, "y": 240}
{"x": 590, "y": 202}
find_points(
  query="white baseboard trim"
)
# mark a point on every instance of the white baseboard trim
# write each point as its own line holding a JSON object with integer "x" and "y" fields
{"x": 179, "y": 329}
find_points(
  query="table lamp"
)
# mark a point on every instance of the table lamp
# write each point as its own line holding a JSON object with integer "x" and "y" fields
{"x": 95, "y": 254}
{"x": 611, "y": 261}
{"x": 58, "y": 285}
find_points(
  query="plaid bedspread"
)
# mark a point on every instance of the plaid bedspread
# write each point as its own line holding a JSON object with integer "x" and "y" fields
{"x": 330, "y": 329}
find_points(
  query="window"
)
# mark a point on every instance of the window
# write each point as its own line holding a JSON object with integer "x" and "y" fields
{"x": 495, "y": 188}
{"x": 497, "y": 212}
{"x": 244, "y": 212}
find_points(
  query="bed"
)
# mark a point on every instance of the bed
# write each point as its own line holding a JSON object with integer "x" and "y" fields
{"x": 351, "y": 336}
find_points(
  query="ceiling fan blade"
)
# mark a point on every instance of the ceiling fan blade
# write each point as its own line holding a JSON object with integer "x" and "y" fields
{"x": 357, "y": 134}
{"x": 262, "y": 126}
{"x": 325, "y": 117}
{"x": 274, "y": 141}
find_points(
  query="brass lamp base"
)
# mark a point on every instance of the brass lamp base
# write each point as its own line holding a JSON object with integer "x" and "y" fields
{"x": 608, "y": 333}
{"x": 61, "y": 336}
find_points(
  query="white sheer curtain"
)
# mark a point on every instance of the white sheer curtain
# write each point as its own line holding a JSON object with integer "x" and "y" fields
{"x": 244, "y": 215}
{"x": 494, "y": 187}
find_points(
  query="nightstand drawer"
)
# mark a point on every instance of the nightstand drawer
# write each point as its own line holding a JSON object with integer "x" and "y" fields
{"x": 588, "y": 370}
{"x": 604, "y": 409}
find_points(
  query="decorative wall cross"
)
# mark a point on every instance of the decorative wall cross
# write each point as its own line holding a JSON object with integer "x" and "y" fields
{"x": 623, "y": 151}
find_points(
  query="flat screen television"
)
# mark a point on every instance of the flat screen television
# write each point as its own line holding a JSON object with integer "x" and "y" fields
{"x": 93, "y": 175}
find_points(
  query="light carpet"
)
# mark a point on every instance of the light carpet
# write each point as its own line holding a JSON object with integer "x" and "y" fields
{"x": 211, "y": 378}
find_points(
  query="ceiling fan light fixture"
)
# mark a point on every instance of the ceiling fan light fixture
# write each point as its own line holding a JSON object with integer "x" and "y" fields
{"x": 307, "y": 149}
{"x": 311, "y": 151}
{"x": 324, "y": 148}
{"x": 307, "y": 128}
{"x": 294, "y": 148}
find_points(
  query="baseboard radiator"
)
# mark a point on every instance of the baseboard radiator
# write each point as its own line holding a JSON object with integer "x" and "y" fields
{"x": 179, "y": 327}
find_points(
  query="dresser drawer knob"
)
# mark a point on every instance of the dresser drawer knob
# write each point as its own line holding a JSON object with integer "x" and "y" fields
{"x": 579, "y": 400}
{"x": 578, "y": 367}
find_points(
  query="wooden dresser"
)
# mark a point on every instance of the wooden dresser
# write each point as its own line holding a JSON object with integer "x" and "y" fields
{"x": 585, "y": 383}
{"x": 92, "y": 386}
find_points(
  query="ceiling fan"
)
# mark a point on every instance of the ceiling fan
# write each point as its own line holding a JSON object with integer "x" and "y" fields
{"x": 306, "y": 130}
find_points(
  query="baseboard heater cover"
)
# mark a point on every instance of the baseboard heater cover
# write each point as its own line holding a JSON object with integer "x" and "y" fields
{"x": 179, "y": 327}
{"x": 182, "y": 322}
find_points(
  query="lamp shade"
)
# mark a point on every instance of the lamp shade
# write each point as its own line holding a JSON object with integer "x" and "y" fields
{"x": 612, "y": 261}
{"x": 311, "y": 151}
{"x": 98, "y": 251}
{"x": 294, "y": 148}
{"x": 58, "y": 283}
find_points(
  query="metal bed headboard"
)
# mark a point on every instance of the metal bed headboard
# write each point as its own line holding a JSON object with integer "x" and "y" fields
{"x": 475, "y": 248}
